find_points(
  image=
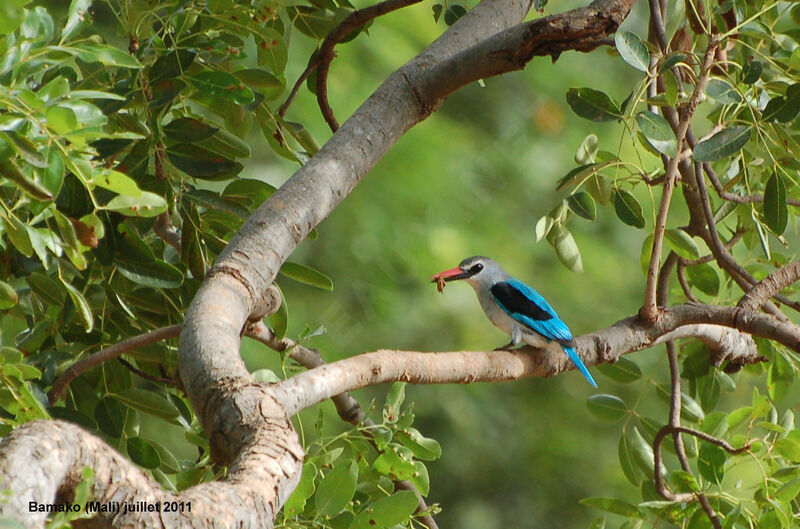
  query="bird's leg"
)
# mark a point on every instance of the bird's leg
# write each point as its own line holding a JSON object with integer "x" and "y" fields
{"x": 516, "y": 338}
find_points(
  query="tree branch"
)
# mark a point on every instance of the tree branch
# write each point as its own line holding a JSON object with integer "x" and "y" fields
{"x": 626, "y": 336}
{"x": 347, "y": 406}
{"x": 108, "y": 353}
{"x": 649, "y": 307}
{"x": 770, "y": 286}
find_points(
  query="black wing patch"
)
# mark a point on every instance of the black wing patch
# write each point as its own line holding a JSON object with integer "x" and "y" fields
{"x": 515, "y": 301}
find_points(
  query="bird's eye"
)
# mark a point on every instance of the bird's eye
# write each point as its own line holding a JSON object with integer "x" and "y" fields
{"x": 476, "y": 268}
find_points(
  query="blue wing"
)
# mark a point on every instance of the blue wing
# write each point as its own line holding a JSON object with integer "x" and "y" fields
{"x": 529, "y": 308}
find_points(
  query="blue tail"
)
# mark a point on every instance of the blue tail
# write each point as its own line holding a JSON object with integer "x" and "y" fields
{"x": 579, "y": 364}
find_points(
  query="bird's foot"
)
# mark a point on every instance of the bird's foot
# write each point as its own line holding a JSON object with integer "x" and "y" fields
{"x": 506, "y": 347}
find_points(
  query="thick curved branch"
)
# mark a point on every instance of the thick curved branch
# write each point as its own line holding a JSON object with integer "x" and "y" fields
{"x": 606, "y": 345}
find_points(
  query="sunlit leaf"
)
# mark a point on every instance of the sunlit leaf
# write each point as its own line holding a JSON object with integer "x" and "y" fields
{"x": 658, "y": 133}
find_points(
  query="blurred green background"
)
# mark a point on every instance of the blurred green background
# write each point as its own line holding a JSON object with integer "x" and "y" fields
{"x": 473, "y": 179}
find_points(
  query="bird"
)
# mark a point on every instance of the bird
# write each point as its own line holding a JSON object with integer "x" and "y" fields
{"x": 514, "y": 307}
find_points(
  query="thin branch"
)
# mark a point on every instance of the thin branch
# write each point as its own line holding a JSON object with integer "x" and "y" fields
{"x": 322, "y": 61}
{"x": 721, "y": 253}
{"x": 687, "y": 290}
{"x": 348, "y": 408}
{"x": 109, "y": 353}
{"x": 135, "y": 370}
{"x": 166, "y": 231}
{"x": 732, "y": 197}
{"x": 649, "y": 307}
{"x": 770, "y": 286}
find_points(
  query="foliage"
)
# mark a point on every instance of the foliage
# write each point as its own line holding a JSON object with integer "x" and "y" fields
{"x": 121, "y": 147}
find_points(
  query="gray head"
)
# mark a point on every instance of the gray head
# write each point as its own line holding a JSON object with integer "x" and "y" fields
{"x": 478, "y": 271}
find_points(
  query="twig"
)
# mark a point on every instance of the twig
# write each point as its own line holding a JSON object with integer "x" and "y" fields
{"x": 721, "y": 254}
{"x": 649, "y": 309}
{"x": 165, "y": 230}
{"x": 322, "y": 61}
{"x": 109, "y": 353}
{"x": 139, "y": 372}
{"x": 770, "y": 285}
{"x": 687, "y": 290}
{"x": 346, "y": 405}
{"x": 731, "y": 197}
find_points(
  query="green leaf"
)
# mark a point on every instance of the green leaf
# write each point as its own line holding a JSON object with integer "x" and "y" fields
{"x": 279, "y": 320}
{"x": 77, "y": 16}
{"x": 627, "y": 462}
{"x": 711, "y": 462}
{"x": 224, "y": 85}
{"x": 10, "y": 170}
{"x": 110, "y": 416}
{"x": 752, "y": 71}
{"x": 658, "y": 133}
{"x": 392, "y": 465}
{"x": 201, "y": 163}
{"x": 784, "y": 109}
{"x": 705, "y": 278}
{"x": 685, "y": 481}
{"x": 148, "y": 402}
{"x": 142, "y": 453}
{"x": 582, "y": 204}
{"x": 117, "y": 182}
{"x": 543, "y": 227}
{"x": 606, "y": 407}
{"x": 8, "y": 296}
{"x": 642, "y": 452}
{"x": 136, "y": 261}
{"x": 628, "y": 209}
{"x": 81, "y": 305}
{"x": 145, "y": 205}
{"x": 297, "y": 501}
{"x": 423, "y": 447}
{"x": 13, "y": 16}
{"x": 316, "y": 23}
{"x": 26, "y": 149}
{"x": 188, "y": 130}
{"x": 577, "y": 176}
{"x": 624, "y": 370}
{"x": 566, "y": 248}
{"x": 612, "y": 505}
{"x": 722, "y": 91}
{"x": 306, "y": 275}
{"x": 226, "y": 144}
{"x": 387, "y": 512}
{"x": 74, "y": 416}
{"x": 632, "y": 50}
{"x": 453, "y": 13}
{"x": 336, "y": 489}
{"x": 593, "y": 105}
{"x": 62, "y": 120}
{"x": 722, "y": 144}
{"x": 789, "y": 448}
{"x": 682, "y": 243}
{"x": 587, "y": 150}
{"x": 420, "y": 479}
{"x": 394, "y": 399}
{"x": 102, "y": 53}
{"x": 776, "y": 213}
{"x": 788, "y": 491}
